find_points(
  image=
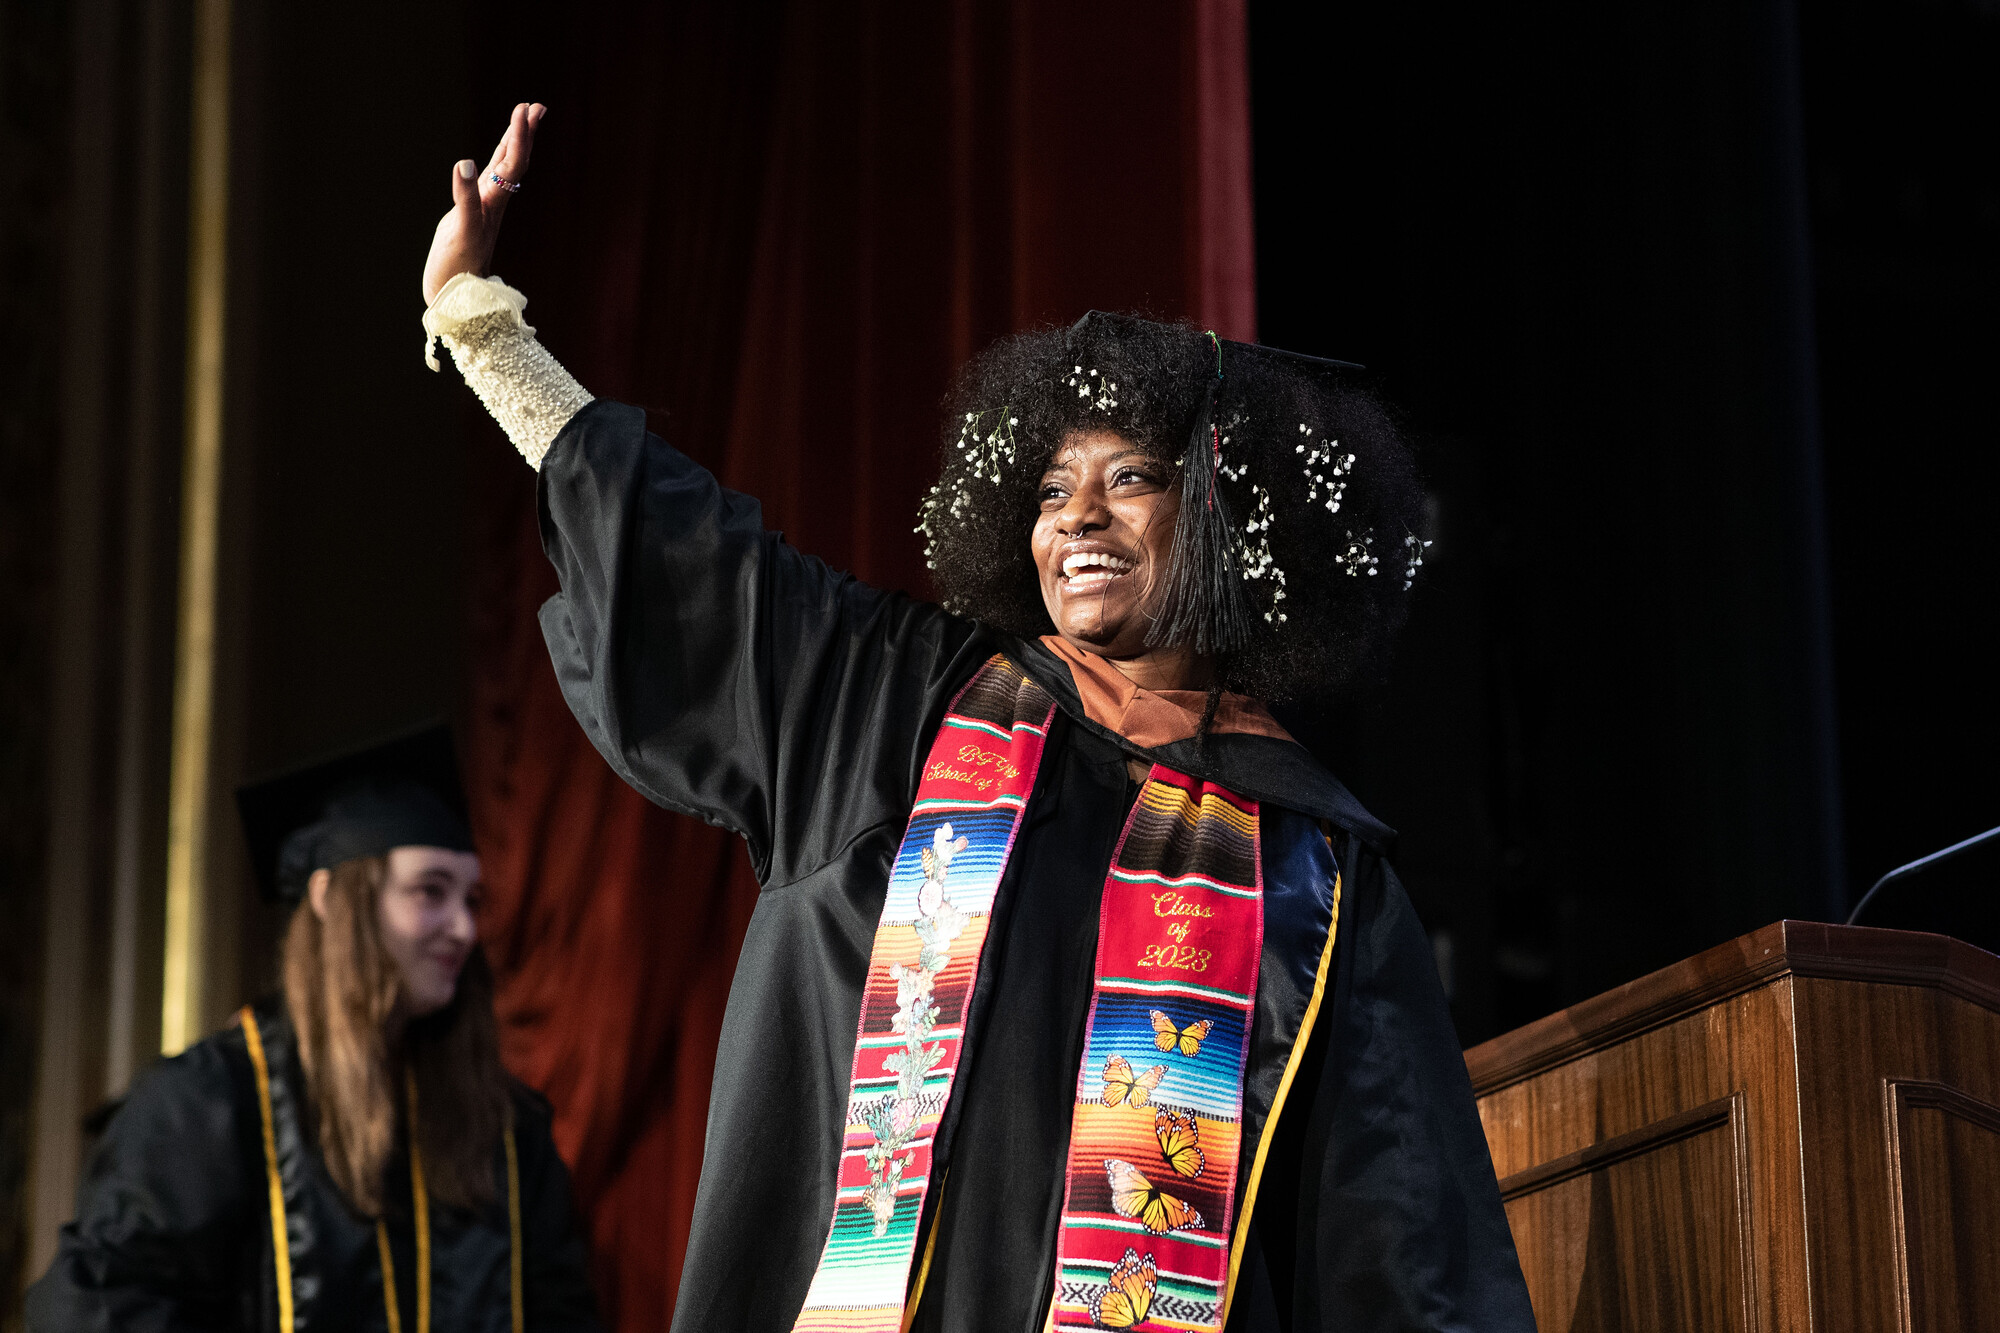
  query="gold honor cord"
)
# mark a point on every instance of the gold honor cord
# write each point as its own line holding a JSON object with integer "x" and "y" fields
{"x": 1278, "y": 1101}
{"x": 420, "y": 1205}
{"x": 930, "y": 1247}
{"x": 420, "y": 1202}
{"x": 514, "y": 1297}
{"x": 281, "y": 1247}
{"x": 389, "y": 1301}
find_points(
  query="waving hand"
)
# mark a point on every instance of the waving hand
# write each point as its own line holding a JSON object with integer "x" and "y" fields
{"x": 466, "y": 235}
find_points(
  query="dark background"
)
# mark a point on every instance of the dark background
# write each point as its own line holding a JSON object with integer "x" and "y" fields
{"x": 1902, "y": 112}
{"x": 1689, "y": 305}
{"x": 1693, "y": 312}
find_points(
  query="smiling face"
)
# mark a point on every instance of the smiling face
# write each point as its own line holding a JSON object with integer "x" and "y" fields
{"x": 1101, "y": 545}
{"x": 428, "y": 914}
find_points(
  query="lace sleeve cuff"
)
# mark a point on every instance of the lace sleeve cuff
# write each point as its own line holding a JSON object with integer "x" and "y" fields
{"x": 526, "y": 389}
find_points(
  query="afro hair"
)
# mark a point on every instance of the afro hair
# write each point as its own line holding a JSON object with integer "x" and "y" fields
{"x": 1322, "y": 488}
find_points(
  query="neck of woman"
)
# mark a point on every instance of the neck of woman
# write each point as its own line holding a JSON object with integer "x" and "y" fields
{"x": 1163, "y": 668}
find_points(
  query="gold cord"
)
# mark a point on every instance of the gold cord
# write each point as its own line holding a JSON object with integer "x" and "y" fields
{"x": 514, "y": 1293}
{"x": 388, "y": 1278}
{"x": 420, "y": 1202}
{"x": 930, "y": 1247}
{"x": 420, "y": 1206}
{"x": 1278, "y": 1101}
{"x": 281, "y": 1249}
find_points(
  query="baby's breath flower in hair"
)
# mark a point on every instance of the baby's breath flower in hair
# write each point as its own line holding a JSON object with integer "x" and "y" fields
{"x": 1080, "y": 380}
{"x": 1306, "y": 468}
{"x": 985, "y": 457}
{"x": 1359, "y": 556}
{"x": 1413, "y": 557}
{"x": 1326, "y": 469}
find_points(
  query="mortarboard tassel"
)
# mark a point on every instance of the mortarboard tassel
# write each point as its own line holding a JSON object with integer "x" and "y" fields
{"x": 1204, "y": 603}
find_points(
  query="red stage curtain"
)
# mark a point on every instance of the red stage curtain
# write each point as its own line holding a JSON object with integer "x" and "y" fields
{"x": 782, "y": 229}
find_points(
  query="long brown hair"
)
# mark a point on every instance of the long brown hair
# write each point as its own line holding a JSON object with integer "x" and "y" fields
{"x": 344, "y": 994}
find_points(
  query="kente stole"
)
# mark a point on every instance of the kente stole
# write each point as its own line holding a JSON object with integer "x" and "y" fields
{"x": 1150, "y": 1195}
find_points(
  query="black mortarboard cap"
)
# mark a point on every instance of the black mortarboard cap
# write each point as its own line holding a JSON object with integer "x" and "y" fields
{"x": 1204, "y": 603}
{"x": 1274, "y": 355}
{"x": 402, "y": 792}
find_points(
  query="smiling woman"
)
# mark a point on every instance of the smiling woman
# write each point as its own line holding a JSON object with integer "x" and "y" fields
{"x": 1085, "y": 432}
{"x": 1104, "y": 534}
{"x": 427, "y": 918}
{"x": 1068, "y": 955}
{"x": 351, "y": 1154}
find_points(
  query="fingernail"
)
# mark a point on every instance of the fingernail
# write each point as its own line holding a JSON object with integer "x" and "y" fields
{"x": 468, "y": 169}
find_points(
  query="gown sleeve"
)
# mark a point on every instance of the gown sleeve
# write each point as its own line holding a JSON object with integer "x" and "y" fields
{"x": 1401, "y": 1217}
{"x": 721, "y": 672}
{"x": 163, "y": 1215}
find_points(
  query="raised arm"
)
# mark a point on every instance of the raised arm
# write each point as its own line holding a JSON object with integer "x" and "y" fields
{"x": 480, "y": 318}
{"x": 724, "y": 673}
{"x": 719, "y": 671}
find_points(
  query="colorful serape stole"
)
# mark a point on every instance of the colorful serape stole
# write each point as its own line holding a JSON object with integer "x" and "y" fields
{"x": 1151, "y": 1196}
{"x": 974, "y": 786}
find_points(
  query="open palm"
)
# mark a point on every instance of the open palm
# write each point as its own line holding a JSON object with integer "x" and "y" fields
{"x": 466, "y": 235}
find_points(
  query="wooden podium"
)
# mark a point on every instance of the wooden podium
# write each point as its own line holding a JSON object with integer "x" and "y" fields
{"x": 1799, "y": 1129}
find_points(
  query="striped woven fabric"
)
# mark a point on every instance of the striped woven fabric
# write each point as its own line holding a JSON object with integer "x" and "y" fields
{"x": 921, "y": 971}
{"x": 1150, "y": 1199}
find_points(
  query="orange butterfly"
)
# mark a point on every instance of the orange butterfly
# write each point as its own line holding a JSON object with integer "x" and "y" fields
{"x": 1166, "y": 1035}
{"x": 1126, "y": 1302}
{"x": 1137, "y": 1197}
{"x": 1120, "y": 1084}
{"x": 1178, "y": 1134}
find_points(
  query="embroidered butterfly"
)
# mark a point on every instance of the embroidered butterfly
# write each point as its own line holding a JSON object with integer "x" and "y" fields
{"x": 1122, "y": 1085}
{"x": 1166, "y": 1035}
{"x": 1136, "y": 1197}
{"x": 1178, "y": 1136}
{"x": 1126, "y": 1302}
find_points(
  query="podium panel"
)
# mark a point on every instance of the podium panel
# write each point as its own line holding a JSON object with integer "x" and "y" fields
{"x": 1797, "y": 1130}
{"x": 1644, "y": 1231}
{"x": 1947, "y": 1162}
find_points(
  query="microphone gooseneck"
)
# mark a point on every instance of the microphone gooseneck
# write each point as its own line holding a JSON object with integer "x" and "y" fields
{"x": 1921, "y": 863}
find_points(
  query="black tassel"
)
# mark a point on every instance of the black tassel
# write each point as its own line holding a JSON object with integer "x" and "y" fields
{"x": 1204, "y": 604}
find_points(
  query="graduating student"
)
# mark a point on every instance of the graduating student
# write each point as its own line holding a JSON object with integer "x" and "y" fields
{"x": 350, "y": 1155}
{"x": 1077, "y": 994}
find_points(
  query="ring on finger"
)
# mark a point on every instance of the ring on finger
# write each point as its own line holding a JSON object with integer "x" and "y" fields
{"x": 511, "y": 187}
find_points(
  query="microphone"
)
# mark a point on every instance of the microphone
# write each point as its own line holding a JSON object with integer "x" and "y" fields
{"x": 1921, "y": 863}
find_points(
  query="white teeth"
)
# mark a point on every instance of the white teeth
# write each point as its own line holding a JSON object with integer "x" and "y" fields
{"x": 1100, "y": 563}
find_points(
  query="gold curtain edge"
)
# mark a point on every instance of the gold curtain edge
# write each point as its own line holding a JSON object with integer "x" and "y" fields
{"x": 201, "y": 496}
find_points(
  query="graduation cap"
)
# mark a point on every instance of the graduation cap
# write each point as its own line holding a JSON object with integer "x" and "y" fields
{"x": 402, "y": 792}
{"x": 1278, "y": 356}
{"x": 1204, "y": 604}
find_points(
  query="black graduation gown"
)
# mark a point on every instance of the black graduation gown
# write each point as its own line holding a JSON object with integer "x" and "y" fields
{"x": 726, "y": 675}
{"x": 173, "y": 1223}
